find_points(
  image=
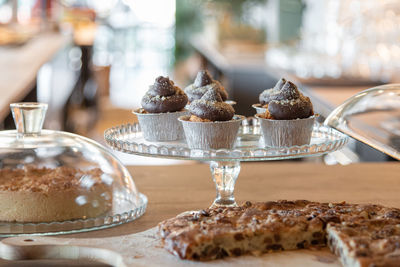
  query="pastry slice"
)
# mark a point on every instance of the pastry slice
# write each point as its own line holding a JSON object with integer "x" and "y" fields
{"x": 258, "y": 227}
{"x": 252, "y": 228}
{"x": 365, "y": 243}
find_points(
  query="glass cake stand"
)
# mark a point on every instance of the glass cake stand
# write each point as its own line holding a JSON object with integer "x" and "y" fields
{"x": 224, "y": 163}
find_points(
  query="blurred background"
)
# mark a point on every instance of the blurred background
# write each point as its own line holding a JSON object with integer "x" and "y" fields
{"x": 92, "y": 60}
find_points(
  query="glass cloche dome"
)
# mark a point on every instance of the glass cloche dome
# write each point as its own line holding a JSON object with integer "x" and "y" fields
{"x": 55, "y": 182}
{"x": 371, "y": 116}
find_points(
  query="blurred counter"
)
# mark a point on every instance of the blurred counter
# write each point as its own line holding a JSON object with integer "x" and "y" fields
{"x": 327, "y": 98}
{"x": 247, "y": 75}
{"x": 19, "y": 66}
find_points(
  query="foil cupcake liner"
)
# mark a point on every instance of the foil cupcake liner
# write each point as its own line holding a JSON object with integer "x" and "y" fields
{"x": 286, "y": 133}
{"x": 211, "y": 135}
{"x": 259, "y": 109}
{"x": 161, "y": 126}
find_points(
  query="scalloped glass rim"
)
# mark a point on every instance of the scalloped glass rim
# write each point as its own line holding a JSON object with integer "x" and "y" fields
{"x": 8, "y": 229}
{"x": 127, "y": 138}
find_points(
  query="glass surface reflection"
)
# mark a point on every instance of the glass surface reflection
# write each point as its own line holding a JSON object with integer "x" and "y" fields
{"x": 372, "y": 117}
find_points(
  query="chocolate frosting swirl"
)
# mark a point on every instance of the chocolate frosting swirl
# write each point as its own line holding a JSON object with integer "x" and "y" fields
{"x": 201, "y": 84}
{"x": 203, "y": 78}
{"x": 286, "y": 102}
{"x": 282, "y": 90}
{"x": 163, "y": 96}
{"x": 298, "y": 108}
{"x": 211, "y": 107}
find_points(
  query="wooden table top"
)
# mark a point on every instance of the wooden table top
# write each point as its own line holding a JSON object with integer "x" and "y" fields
{"x": 175, "y": 189}
{"x": 19, "y": 66}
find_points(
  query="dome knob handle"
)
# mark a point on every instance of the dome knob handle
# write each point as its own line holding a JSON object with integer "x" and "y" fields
{"x": 28, "y": 116}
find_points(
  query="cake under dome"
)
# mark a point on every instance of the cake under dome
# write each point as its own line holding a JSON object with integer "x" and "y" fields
{"x": 55, "y": 182}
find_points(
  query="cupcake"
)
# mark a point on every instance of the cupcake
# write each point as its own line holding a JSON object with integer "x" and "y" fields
{"x": 288, "y": 116}
{"x": 202, "y": 84}
{"x": 212, "y": 123}
{"x": 162, "y": 105}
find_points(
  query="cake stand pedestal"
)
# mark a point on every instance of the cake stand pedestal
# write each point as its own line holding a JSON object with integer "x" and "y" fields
{"x": 224, "y": 163}
{"x": 224, "y": 175}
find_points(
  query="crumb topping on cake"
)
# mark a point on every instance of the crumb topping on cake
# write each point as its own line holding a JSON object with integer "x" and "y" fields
{"x": 32, "y": 179}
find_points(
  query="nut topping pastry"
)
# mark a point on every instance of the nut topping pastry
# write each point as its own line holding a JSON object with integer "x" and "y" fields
{"x": 366, "y": 242}
{"x": 256, "y": 228}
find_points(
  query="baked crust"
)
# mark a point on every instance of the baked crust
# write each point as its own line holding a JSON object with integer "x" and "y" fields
{"x": 258, "y": 227}
{"x": 44, "y": 195}
{"x": 197, "y": 119}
